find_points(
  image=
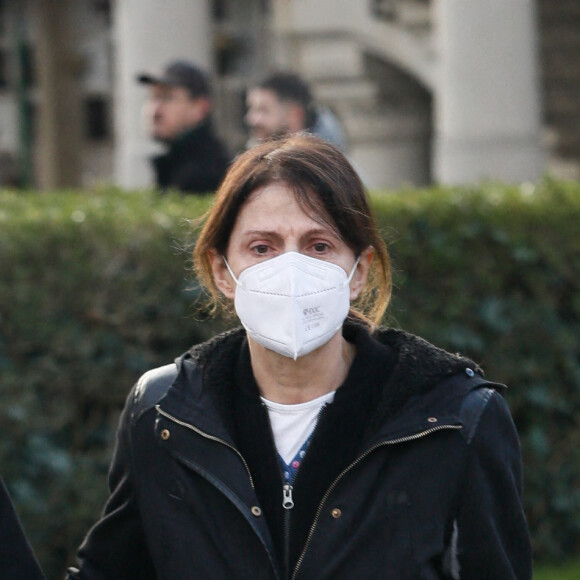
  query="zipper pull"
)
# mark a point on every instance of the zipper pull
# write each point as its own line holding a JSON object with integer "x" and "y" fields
{"x": 287, "y": 501}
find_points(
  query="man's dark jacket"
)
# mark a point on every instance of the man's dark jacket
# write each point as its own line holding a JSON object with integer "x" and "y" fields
{"x": 413, "y": 471}
{"x": 17, "y": 560}
{"x": 195, "y": 162}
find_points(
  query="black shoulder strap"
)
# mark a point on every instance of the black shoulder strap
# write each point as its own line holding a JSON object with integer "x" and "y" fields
{"x": 151, "y": 387}
{"x": 472, "y": 409}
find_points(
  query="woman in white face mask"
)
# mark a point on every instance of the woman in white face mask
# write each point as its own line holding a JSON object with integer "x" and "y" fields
{"x": 292, "y": 278}
{"x": 292, "y": 251}
{"x": 310, "y": 443}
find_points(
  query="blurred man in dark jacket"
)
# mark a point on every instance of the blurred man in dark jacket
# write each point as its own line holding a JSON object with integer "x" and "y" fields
{"x": 179, "y": 115}
{"x": 17, "y": 559}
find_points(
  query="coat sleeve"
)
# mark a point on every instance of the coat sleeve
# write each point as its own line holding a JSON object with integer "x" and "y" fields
{"x": 491, "y": 535}
{"x": 115, "y": 547}
{"x": 17, "y": 559}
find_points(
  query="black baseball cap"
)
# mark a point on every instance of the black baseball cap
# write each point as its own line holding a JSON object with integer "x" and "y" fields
{"x": 180, "y": 74}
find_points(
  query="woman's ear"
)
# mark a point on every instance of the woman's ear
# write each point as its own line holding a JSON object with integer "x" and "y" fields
{"x": 361, "y": 274}
{"x": 221, "y": 275}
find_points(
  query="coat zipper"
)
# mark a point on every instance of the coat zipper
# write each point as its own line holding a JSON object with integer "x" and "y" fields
{"x": 288, "y": 504}
{"x": 207, "y": 436}
{"x": 351, "y": 466}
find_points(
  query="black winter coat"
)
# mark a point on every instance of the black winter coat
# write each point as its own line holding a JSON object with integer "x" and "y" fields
{"x": 17, "y": 560}
{"x": 195, "y": 163}
{"x": 413, "y": 472}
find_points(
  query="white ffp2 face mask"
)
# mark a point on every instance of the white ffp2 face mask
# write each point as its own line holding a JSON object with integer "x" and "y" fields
{"x": 292, "y": 304}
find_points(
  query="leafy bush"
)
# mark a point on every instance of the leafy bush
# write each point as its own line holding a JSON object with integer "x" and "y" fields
{"x": 95, "y": 289}
{"x": 93, "y": 292}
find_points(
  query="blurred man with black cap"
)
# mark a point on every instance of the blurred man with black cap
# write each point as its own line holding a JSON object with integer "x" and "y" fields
{"x": 179, "y": 115}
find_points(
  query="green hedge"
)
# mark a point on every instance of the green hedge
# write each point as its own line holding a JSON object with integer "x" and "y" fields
{"x": 95, "y": 289}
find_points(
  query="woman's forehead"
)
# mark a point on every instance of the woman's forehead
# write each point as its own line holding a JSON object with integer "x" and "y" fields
{"x": 282, "y": 203}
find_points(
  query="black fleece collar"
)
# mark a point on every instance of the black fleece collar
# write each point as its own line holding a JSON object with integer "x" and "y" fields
{"x": 417, "y": 366}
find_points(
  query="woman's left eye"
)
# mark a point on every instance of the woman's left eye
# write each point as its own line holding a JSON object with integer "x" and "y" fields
{"x": 320, "y": 247}
{"x": 260, "y": 249}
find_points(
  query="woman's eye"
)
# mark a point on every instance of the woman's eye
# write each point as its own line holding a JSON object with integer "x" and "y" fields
{"x": 260, "y": 248}
{"x": 320, "y": 247}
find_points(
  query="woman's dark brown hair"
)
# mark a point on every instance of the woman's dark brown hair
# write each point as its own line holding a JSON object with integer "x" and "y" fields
{"x": 326, "y": 187}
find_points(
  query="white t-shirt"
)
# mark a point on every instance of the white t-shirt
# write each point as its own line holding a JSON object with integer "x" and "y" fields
{"x": 293, "y": 424}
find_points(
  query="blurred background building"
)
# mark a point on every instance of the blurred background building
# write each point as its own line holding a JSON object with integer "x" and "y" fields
{"x": 446, "y": 91}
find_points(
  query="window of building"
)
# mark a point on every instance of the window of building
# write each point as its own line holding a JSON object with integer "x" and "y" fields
{"x": 3, "y": 69}
{"x": 96, "y": 113}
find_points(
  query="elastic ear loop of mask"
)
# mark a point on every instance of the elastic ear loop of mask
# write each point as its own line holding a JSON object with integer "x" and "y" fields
{"x": 348, "y": 280}
{"x": 230, "y": 270}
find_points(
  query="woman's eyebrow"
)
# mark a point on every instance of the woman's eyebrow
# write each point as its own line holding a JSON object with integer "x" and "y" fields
{"x": 322, "y": 232}
{"x": 275, "y": 234}
{"x": 261, "y": 233}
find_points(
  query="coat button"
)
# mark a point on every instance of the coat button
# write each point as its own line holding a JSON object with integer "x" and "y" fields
{"x": 469, "y": 372}
{"x": 432, "y": 419}
{"x": 256, "y": 511}
{"x": 165, "y": 434}
{"x": 336, "y": 513}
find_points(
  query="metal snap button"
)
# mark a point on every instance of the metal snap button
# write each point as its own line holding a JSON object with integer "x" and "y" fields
{"x": 432, "y": 419}
{"x": 165, "y": 434}
{"x": 469, "y": 372}
{"x": 256, "y": 511}
{"x": 336, "y": 513}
